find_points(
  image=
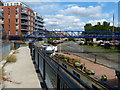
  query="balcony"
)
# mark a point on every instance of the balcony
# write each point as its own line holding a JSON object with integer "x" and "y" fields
{"x": 1, "y": 13}
{"x": 24, "y": 29}
{"x": 41, "y": 25}
{"x": 24, "y": 33}
{"x": 24, "y": 23}
{"x": 1, "y": 28}
{"x": 24, "y": 18}
{"x": 24, "y": 12}
{"x": 39, "y": 19}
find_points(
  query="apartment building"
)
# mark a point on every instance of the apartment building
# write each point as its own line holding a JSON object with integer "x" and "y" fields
{"x": 4, "y": 43}
{"x": 38, "y": 22}
{"x": 19, "y": 19}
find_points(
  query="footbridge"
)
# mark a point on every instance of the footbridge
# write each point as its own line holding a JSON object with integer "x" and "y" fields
{"x": 75, "y": 34}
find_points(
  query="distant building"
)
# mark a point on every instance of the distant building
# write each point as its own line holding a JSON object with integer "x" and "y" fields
{"x": 19, "y": 19}
{"x": 4, "y": 43}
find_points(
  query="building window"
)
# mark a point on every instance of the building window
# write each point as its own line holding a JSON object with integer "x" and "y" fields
{"x": 15, "y": 3}
{"x": 28, "y": 12}
{"x": 29, "y": 23}
{"x": 9, "y": 21}
{"x": 9, "y": 26}
{"x": 31, "y": 14}
{"x": 17, "y": 21}
{"x": 32, "y": 23}
{"x": 31, "y": 19}
{"x": 17, "y": 15}
{"x": 9, "y": 32}
{"x": 9, "y": 16}
{"x": 4, "y": 4}
{"x": 29, "y": 28}
{"x": 7, "y": 4}
{"x": 17, "y": 26}
{"x": 16, "y": 32}
{"x": 8, "y": 10}
{"x": 17, "y": 9}
{"x": 28, "y": 17}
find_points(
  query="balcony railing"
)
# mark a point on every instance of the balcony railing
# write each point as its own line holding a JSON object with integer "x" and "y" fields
{"x": 39, "y": 19}
{"x": 41, "y": 25}
{"x": 24, "y": 29}
{"x": 25, "y": 18}
{"x": 24, "y": 12}
{"x": 54, "y": 75}
{"x": 24, "y": 23}
{"x": 1, "y": 22}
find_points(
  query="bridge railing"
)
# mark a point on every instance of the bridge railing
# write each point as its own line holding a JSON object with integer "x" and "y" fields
{"x": 53, "y": 74}
{"x": 75, "y": 34}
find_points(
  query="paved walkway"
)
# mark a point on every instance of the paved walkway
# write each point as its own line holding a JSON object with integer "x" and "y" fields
{"x": 22, "y": 73}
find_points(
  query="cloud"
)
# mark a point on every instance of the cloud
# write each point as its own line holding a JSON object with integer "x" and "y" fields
{"x": 65, "y": 0}
{"x": 63, "y": 22}
{"x": 44, "y": 7}
{"x": 94, "y": 22}
{"x": 85, "y": 12}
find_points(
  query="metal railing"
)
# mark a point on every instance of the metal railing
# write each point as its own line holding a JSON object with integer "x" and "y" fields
{"x": 54, "y": 74}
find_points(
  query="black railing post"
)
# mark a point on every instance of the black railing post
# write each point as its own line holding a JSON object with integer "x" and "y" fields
{"x": 38, "y": 63}
{"x": 58, "y": 79}
{"x": 44, "y": 67}
{"x": 33, "y": 54}
{"x": 58, "y": 82}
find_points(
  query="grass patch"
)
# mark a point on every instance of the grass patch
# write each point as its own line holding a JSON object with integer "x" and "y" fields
{"x": 16, "y": 51}
{"x": 1, "y": 73}
{"x": 76, "y": 61}
{"x": 11, "y": 58}
{"x": 99, "y": 48}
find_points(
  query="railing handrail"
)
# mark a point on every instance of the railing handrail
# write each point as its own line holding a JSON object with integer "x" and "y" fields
{"x": 61, "y": 69}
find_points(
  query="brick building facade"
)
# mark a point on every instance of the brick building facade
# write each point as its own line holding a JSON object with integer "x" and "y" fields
{"x": 19, "y": 19}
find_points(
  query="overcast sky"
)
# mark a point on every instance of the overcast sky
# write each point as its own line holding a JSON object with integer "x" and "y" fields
{"x": 73, "y": 15}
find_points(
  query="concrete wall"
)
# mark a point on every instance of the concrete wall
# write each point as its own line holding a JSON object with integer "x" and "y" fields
{"x": 5, "y": 49}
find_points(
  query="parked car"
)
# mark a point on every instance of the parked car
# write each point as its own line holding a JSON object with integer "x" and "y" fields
{"x": 82, "y": 42}
{"x": 51, "y": 49}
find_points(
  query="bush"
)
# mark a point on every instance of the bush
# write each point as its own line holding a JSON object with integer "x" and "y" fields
{"x": 11, "y": 58}
{"x": 89, "y": 72}
{"x": 78, "y": 61}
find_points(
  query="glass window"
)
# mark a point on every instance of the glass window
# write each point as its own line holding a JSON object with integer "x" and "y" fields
{"x": 17, "y": 21}
{"x": 17, "y": 15}
{"x": 8, "y": 10}
{"x": 28, "y": 17}
{"x": 8, "y": 20}
{"x": 16, "y": 32}
{"x": 29, "y": 23}
{"x": 17, "y": 9}
{"x": 29, "y": 28}
{"x": 29, "y": 12}
{"x": 17, "y": 26}
{"x": 9, "y": 32}
{"x": 8, "y": 16}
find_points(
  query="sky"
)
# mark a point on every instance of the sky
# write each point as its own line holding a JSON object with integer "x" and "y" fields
{"x": 64, "y": 15}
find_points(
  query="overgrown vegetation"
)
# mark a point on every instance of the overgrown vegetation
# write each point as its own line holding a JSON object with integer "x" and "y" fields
{"x": 12, "y": 58}
{"x": 74, "y": 62}
{"x": 1, "y": 73}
